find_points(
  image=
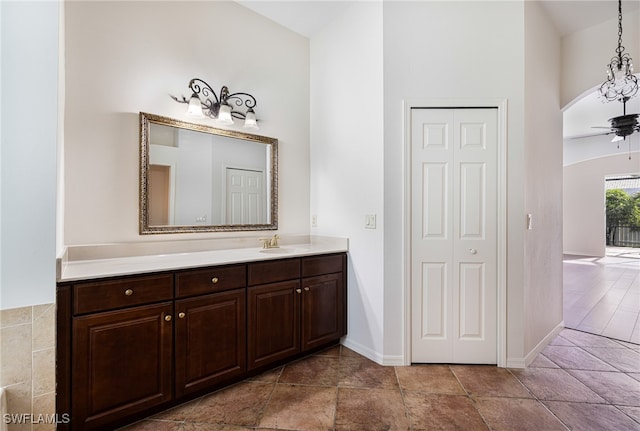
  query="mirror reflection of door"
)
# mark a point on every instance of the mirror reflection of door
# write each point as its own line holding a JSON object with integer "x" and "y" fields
{"x": 246, "y": 201}
{"x": 159, "y": 195}
{"x": 183, "y": 178}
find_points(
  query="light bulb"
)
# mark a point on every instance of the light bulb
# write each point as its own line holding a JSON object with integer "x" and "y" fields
{"x": 250, "y": 121}
{"x": 195, "y": 107}
{"x": 224, "y": 115}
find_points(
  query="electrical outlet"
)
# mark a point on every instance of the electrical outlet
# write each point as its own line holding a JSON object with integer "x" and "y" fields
{"x": 314, "y": 220}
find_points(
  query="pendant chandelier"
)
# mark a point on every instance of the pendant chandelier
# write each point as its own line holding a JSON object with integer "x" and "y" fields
{"x": 621, "y": 84}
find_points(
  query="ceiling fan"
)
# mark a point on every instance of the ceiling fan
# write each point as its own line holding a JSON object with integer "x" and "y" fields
{"x": 623, "y": 125}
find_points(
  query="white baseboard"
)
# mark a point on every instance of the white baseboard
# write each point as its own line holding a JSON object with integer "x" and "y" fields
{"x": 531, "y": 356}
{"x": 394, "y": 361}
{"x": 365, "y": 351}
{"x": 386, "y": 360}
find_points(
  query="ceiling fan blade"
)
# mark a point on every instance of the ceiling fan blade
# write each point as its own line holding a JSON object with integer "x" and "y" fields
{"x": 589, "y": 135}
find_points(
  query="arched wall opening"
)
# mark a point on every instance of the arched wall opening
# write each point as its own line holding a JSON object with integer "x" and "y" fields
{"x": 588, "y": 157}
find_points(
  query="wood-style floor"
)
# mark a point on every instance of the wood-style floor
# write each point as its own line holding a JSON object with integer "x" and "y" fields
{"x": 602, "y": 294}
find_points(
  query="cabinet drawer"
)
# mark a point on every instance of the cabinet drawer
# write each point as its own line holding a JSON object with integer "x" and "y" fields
{"x": 123, "y": 292}
{"x": 214, "y": 279}
{"x": 318, "y": 265}
{"x": 273, "y": 271}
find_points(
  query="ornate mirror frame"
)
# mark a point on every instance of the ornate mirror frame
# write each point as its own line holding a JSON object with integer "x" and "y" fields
{"x": 145, "y": 229}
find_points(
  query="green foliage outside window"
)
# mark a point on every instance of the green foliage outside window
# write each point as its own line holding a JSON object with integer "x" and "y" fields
{"x": 622, "y": 210}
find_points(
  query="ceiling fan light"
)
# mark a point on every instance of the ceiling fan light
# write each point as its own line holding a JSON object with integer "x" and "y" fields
{"x": 617, "y": 138}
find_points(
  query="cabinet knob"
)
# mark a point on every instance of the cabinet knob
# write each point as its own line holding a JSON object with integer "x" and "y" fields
{"x": 128, "y": 292}
{"x": 299, "y": 290}
{"x": 215, "y": 280}
{"x": 306, "y": 289}
{"x": 167, "y": 317}
{"x": 181, "y": 315}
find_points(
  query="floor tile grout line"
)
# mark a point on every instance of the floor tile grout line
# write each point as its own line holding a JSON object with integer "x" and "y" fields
{"x": 273, "y": 390}
{"x": 592, "y": 355}
{"x": 335, "y": 406}
{"x": 404, "y": 402}
{"x": 626, "y": 414}
{"x": 607, "y": 402}
{"x": 473, "y": 401}
{"x": 636, "y": 327}
{"x": 541, "y": 402}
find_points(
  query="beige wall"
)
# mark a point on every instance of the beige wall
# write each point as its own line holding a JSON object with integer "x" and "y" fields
{"x": 543, "y": 183}
{"x": 347, "y": 156}
{"x": 126, "y": 57}
{"x": 584, "y": 199}
{"x": 27, "y": 364}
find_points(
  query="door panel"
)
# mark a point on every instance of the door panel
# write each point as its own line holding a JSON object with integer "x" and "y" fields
{"x": 246, "y": 201}
{"x": 435, "y": 186}
{"x": 453, "y": 240}
{"x": 471, "y": 300}
{"x": 434, "y": 308}
{"x": 472, "y": 200}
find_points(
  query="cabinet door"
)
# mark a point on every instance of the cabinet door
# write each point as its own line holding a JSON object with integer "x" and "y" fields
{"x": 322, "y": 310}
{"x": 273, "y": 322}
{"x": 210, "y": 340}
{"x": 121, "y": 363}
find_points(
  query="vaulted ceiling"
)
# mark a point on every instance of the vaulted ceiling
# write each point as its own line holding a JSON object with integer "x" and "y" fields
{"x": 306, "y": 17}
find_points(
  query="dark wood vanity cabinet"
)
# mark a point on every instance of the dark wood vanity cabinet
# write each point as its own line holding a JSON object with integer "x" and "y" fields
{"x": 121, "y": 360}
{"x": 210, "y": 340}
{"x": 295, "y": 306}
{"x": 273, "y": 322}
{"x": 210, "y": 328}
{"x": 322, "y": 314}
{"x": 128, "y": 346}
{"x": 323, "y": 307}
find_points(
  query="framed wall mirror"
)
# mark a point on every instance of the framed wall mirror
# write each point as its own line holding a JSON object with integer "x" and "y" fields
{"x": 196, "y": 178}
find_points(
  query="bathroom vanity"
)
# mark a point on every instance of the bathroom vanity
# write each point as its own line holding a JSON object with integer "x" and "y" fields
{"x": 139, "y": 334}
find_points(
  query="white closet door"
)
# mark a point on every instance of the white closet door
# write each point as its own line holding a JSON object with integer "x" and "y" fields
{"x": 454, "y": 235}
{"x": 246, "y": 203}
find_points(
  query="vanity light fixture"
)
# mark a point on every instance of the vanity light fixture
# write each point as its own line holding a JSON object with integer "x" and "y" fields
{"x": 621, "y": 83}
{"x": 205, "y": 102}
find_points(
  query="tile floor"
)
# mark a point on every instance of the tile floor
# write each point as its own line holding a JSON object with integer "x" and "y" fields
{"x": 579, "y": 382}
{"x": 602, "y": 295}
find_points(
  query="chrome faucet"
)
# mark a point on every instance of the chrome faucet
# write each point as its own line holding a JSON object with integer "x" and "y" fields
{"x": 270, "y": 242}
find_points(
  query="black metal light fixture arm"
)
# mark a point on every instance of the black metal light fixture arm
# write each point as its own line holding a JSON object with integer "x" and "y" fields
{"x": 239, "y": 100}
{"x": 211, "y": 102}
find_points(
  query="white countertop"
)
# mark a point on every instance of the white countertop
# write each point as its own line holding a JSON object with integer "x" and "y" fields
{"x": 83, "y": 269}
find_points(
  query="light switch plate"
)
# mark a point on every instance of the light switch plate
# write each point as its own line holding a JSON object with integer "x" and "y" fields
{"x": 370, "y": 221}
